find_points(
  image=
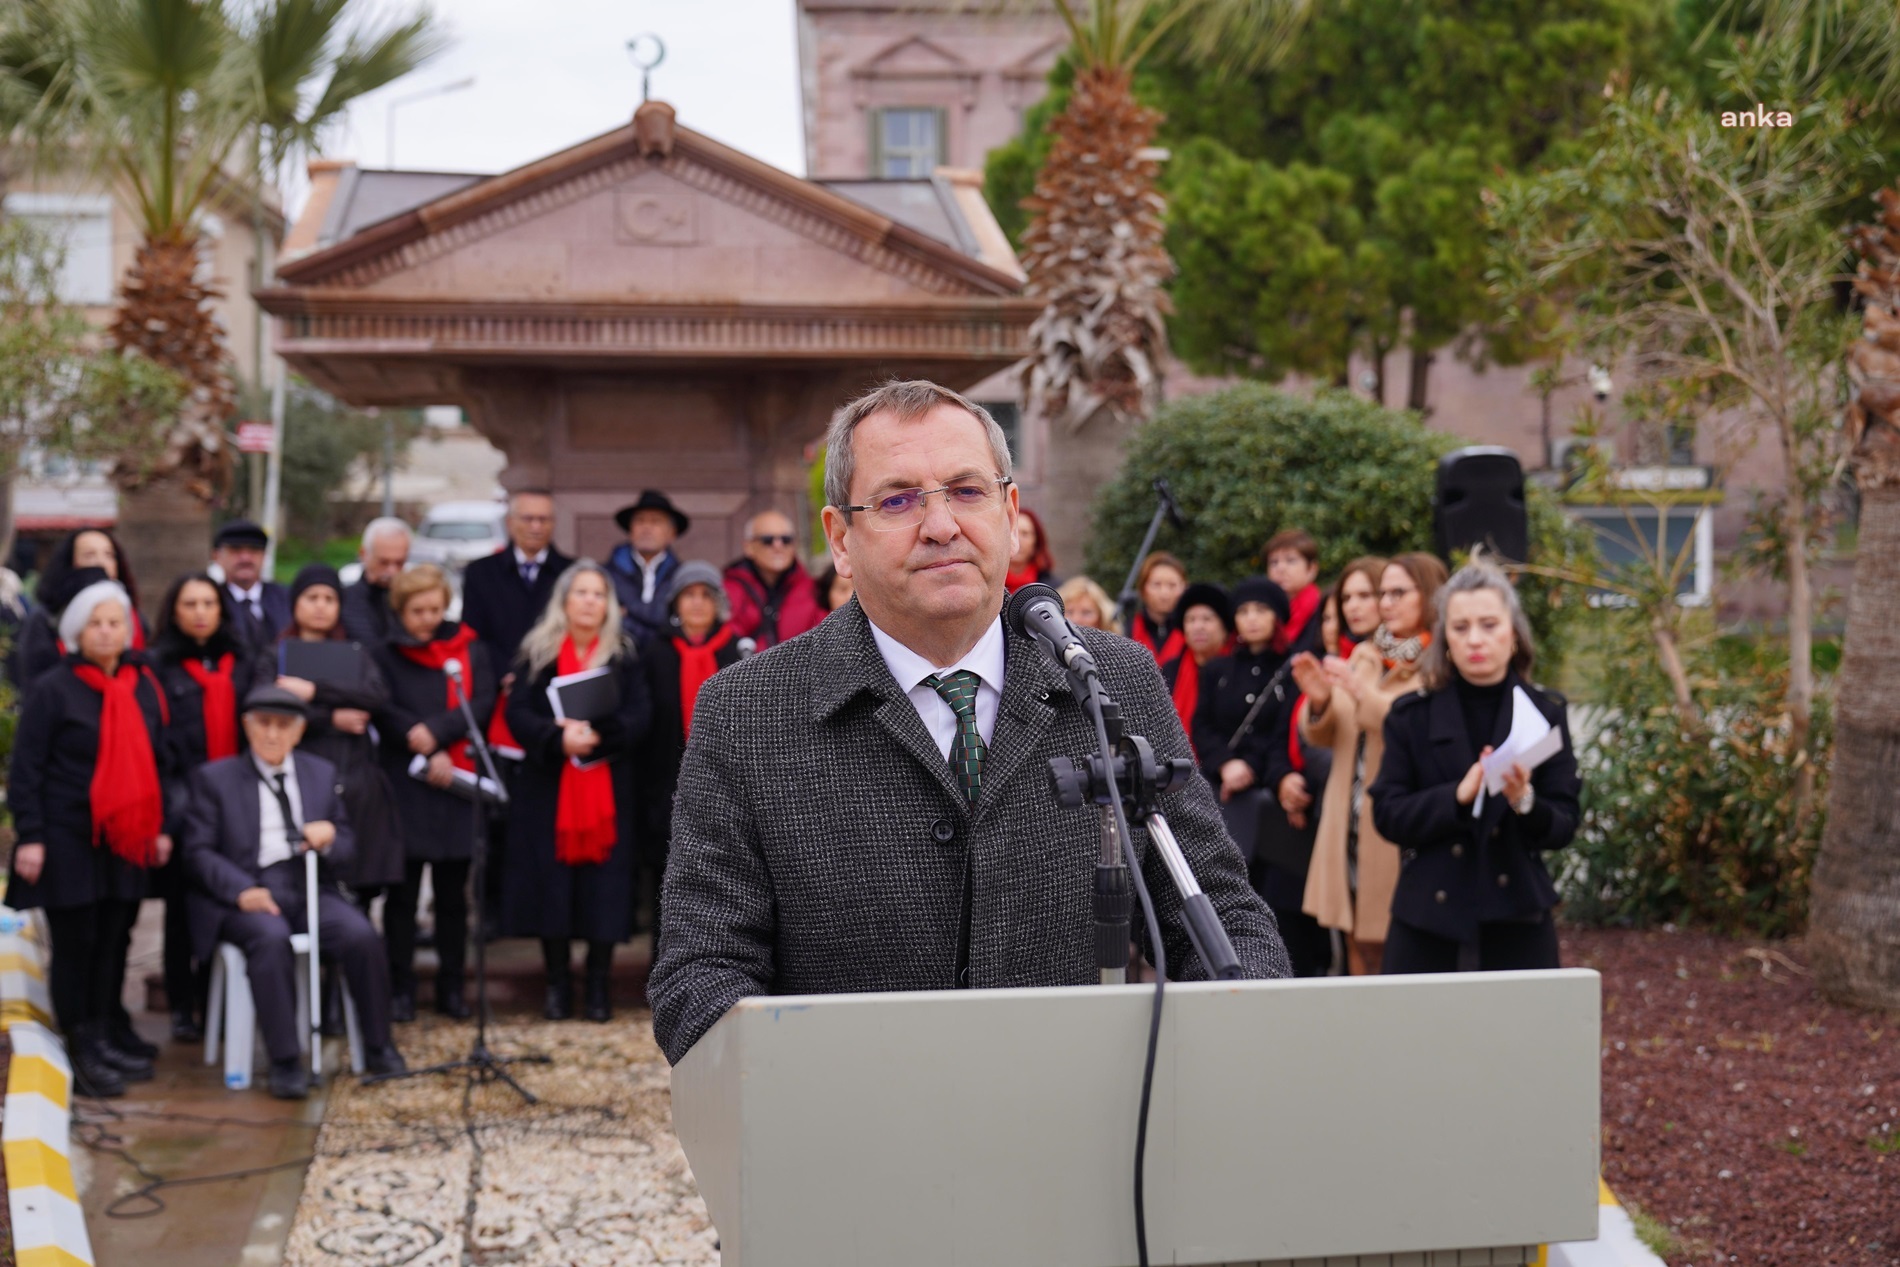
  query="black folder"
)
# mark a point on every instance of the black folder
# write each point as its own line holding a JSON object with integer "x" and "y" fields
{"x": 338, "y": 664}
{"x": 588, "y": 695}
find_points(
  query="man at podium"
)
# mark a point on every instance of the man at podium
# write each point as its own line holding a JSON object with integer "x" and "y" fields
{"x": 867, "y": 807}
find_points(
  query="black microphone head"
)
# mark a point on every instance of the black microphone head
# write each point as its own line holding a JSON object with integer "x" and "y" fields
{"x": 1167, "y": 501}
{"x": 1016, "y": 610}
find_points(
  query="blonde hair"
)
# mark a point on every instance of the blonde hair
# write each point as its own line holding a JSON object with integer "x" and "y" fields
{"x": 419, "y": 579}
{"x": 1082, "y": 587}
{"x": 543, "y": 642}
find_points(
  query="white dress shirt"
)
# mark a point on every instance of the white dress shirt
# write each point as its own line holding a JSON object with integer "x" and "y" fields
{"x": 985, "y": 660}
{"x": 649, "y": 573}
{"x": 252, "y": 598}
{"x": 273, "y": 843}
{"x": 534, "y": 561}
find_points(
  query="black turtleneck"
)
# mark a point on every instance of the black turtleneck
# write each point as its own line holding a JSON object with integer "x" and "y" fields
{"x": 1482, "y": 706}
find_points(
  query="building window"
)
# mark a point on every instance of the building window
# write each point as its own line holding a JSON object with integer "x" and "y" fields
{"x": 80, "y": 226}
{"x": 908, "y": 143}
{"x": 1010, "y": 418}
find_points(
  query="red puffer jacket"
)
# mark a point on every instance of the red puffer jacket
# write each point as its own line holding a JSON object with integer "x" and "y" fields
{"x": 769, "y": 617}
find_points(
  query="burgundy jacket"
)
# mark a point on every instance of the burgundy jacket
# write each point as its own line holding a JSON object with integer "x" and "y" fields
{"x": 769, "y": 617}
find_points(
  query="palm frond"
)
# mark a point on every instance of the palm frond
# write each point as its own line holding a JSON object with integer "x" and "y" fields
{"x": 373, "y": 59}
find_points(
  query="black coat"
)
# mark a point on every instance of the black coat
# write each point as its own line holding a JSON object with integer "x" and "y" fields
{"x": 436, "y": 825}
{"x": 221, "y": 836}
{"x": 185, "y": 732}
{"x": 659, "y": 766}
{"x": 261, "y": 634}
{"x": 499, "y": 608}
{"x": 366, "y": 792}
{"x": 1457, "y": 872}
{"x": 367, "y": 617}
{"x": 49, "y": 791}
{"x": 540, "y": 896}
{"x": 1229, "y": 686}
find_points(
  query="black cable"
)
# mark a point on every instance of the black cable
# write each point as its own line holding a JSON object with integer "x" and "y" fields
{"x": 1155, "y": 941}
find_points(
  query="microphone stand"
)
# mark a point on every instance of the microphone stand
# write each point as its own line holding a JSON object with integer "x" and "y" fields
{"x": 480, "y": 1062}
{"x": 1128, "y": 600}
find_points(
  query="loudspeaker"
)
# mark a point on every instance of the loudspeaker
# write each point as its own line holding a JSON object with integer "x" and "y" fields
{"x": 1480, "y": 501}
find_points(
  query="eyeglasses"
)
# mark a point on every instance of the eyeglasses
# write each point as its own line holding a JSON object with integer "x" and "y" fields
{"x": 1396, "y": 595}
{"x": 905, "y": 508}
{"x": 776, "y": 539}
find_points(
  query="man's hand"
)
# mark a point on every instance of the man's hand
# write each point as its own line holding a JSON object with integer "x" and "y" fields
{"x": 257, "y": 901}
{"x": 441, "y": 771}
{"x": 1474, "y": 779}
{"x": 1235, "y": 776}
{"x": 422, "y": 739}
{"x": 303, "y": 688}
{"x": 29, "y": 861}
{"x": 351, "y": 721}
{"x": 161, "y": 850}
{"x": 319, "y": 835}
{"x": 578, "y": 739}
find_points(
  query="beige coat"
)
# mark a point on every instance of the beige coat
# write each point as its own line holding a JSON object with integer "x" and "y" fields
{"x": 1329, "y": 897}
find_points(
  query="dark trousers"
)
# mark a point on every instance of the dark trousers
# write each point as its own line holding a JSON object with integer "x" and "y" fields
{"x": 344, "y": 935}
{"x": 1501, "y": 947}
{"x": 451, "y": 923}
{"x": 88, "y": 968}
{"x": 1308, "y": 945}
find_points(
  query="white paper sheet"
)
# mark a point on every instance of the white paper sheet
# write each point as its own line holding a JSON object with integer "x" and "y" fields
{"x": 1532, "y": 742}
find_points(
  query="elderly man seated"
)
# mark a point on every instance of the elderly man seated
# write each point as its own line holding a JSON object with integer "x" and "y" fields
{"x": 249, "y": 820}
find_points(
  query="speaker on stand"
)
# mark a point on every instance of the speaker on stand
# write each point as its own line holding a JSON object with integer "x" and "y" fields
{"x": 1480, "y": 502}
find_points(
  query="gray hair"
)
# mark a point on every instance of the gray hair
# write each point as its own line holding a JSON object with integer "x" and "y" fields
{"x": 79, "y": 611}
{"x": 385, "y": 524}
{"x": 909, "y": 400}
{"x": 1435, "y": 667}
{"x": 543, "y": 642}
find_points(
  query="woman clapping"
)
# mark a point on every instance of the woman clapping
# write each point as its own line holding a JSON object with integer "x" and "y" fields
{"x": 88, "y": 806}
{"x": 569, "y": 870}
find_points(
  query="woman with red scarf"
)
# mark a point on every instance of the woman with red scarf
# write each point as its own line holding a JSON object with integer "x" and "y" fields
{"x": 1207, "y": 633}
{"x": 205, "y": 669}
{"x": 569, "y": 869}
{"x": 424, "y": 719}
{"x": 698, "y": 643}
{"x": 1157, "y": 623}
{"x": 1031, "y": 561}
{"x": 87, "y": 795}
{"x": 81, "y": 558}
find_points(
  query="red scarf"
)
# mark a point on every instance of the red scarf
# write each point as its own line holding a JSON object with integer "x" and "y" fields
{"x": 585, "y": 826}
{"x": 697, "y": 664}
{"x": 1187, "y": 686}
{"x": 433, "y": 655}
{"x": 1305, "y": 606}
{"x": 1174, "y": 645}
{"x": 127, "y": 809}
{"x": 1019, "y": 577}
{"x": 220, "y": 707}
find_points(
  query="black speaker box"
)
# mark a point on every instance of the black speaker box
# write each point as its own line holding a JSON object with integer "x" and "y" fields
{"x": 1480, "y": 501}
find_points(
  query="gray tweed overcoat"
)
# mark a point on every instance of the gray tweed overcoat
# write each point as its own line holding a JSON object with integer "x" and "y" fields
{"x": 820, "y": 843}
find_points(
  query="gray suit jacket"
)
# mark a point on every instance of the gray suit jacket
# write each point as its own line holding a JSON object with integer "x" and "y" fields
{"x": 820, "y": 843}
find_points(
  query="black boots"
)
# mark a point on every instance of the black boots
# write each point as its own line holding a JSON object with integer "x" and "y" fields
{"x": 597, "y": 999}
{"x": 120, "y": 1034}
{"x": 560, "y": 1000}
{"x": 93, "y": 1074}
{"x": 451, "y": 999}
{"x": 290, "y": 1079}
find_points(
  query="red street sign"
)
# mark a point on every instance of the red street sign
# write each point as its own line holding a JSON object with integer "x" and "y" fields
{"x": 256, "y": 437}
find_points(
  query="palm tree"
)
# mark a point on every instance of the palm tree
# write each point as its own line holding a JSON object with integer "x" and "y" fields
{"x": 1854, "y": 918}
{"x": 1093, "y": 250}
{"x": 180, "y": 105}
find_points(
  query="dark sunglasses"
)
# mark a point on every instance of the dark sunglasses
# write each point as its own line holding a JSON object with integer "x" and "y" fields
{"x": 773, "y": 540}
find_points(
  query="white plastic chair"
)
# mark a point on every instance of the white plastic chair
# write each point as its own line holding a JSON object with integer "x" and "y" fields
{"x": 231, "y": 1013}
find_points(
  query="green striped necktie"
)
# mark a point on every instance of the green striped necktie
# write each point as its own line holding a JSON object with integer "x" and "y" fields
{"x": 966, "y": 751}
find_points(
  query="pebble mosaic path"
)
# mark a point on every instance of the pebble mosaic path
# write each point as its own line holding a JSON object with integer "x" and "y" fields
{"x": 436, "y": 1171}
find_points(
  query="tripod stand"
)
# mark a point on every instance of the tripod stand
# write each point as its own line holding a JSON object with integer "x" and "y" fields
{"x": 480, "y": 1062}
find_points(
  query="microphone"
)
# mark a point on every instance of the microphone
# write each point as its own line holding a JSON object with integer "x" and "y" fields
{"x": 1035, "y": 611}
{"x": 1166, "y": 495}
{"x": 454, "y": 669}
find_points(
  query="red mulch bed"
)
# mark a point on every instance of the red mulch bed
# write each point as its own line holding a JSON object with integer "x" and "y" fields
{"x": 1755, "y": 1120}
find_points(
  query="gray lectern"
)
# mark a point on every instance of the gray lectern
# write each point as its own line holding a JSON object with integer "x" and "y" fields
{"x": 1428, "y": 1121}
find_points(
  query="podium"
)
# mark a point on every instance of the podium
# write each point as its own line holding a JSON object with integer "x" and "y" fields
{"x": 1425, "y": 1121}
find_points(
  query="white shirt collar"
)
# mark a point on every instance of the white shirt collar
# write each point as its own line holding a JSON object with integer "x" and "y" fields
{"x": 271, "y": 772}
{"x": 985, "y": 659}
{"x": 252, "y": 595}
{"x": 536, "y": 559}
{"x": 645, "y": 564}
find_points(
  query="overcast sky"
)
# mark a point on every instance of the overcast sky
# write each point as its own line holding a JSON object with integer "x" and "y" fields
{"x": 549, "y": 73}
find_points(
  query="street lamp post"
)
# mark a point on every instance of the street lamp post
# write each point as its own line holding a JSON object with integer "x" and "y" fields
{"x": 389, "y": 115}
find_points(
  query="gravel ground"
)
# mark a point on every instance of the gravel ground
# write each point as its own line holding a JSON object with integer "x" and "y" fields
{"x": 1747, "y": 1119}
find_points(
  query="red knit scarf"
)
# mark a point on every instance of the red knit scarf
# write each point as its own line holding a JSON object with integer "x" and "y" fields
{"x": 1187, "y": 686}
{"x": 433, "y": 655}
{"x": 220, "y": 707}
{"x": 1019, "y": 577}
{"x": 585, "y": 827}
{"x": 698, "y": 662}
{"x": 127, "y": 809}
{"x": 1175, "y": 644}
{"x": 1305, "y": 607}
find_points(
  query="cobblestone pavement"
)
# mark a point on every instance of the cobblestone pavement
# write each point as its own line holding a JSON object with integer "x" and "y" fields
{"x": 433, "y": 1171}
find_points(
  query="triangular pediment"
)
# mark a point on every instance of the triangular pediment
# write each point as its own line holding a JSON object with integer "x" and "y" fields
{"x": 912, "y": 58}
{"x": 631, "y": 218}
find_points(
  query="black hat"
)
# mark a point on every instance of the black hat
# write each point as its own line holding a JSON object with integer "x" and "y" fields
{"x": 241, "y": 532}
{"x": 67, "y": 587}
{"x": 1258, "y": 589}
{"x": 1206, "y": 594}
{"x": 652, "y": 499}
{"x": 313, "y": 574}
{"x": 274, "y": 699}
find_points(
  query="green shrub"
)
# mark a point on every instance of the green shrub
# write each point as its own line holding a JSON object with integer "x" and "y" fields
{"x": 1249, "y": 461}
{"x": 1694, "y": 826}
